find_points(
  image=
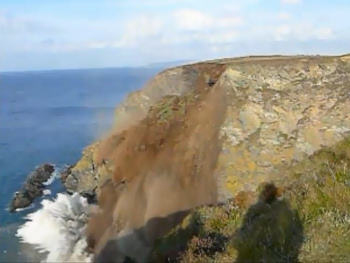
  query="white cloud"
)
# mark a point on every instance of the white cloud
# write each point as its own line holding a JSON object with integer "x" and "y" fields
{"x": 284, "y": 16}
{"x": 14, "y": 24}
{"x": 170, "y": 31}
{"x": 134, "y": 32}
{"x": 226, "y": 37}
{"x": 282, "y": 32}
{"x": 191, "y": 25}
{"x": 232, "y": 21}
{"x": 324, "y": 33}
{"x": 177, "y": 27}
{"x": 143, "y": 26}
{"x": 302, "y": 32}
{"x": 190, "y": 19}
{"x": 291, "y": 2}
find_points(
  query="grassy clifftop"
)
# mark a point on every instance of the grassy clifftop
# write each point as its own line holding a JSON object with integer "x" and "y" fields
{"x": 308, "y": 221}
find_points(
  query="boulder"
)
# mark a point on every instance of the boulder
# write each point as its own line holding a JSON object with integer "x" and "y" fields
{"x": 32, "y": 188}
{"x": 65, "y": 173}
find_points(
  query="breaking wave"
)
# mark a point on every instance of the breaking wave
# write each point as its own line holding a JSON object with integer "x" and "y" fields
{"x": 52, "y": 178}
{"x": 58, "y": 229}
{"x": 31, "y": 206}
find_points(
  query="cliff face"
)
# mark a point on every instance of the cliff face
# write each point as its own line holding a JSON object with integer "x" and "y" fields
{"x": 180, "y": 81}
{"x": 278, "y": 110}
{"x": 206, "y": 133}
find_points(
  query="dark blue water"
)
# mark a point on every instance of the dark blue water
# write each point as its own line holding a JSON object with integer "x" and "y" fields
{"x": 50, "y": 117}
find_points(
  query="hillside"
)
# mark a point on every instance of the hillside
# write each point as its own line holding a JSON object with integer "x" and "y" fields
{"x": 197, "y": 145}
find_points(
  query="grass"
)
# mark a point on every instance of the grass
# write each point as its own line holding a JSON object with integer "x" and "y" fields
{"x": 173, "y": 106}
{"x": 310, "y": 223}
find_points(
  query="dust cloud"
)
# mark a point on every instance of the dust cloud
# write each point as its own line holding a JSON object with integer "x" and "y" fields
{"x": 164, "y": 166}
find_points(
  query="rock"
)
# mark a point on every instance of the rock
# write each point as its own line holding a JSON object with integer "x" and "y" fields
{"x": 83, "y": 176}
{"x": 70, "y": 180}
{"x": 211, "y": 82}
{"x": 66, "y": 173}
{"x": 33, "y": 187}
{"x": 90, "y": 196}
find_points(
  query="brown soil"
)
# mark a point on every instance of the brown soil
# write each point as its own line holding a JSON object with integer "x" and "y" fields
{"x": 166, "y": 163}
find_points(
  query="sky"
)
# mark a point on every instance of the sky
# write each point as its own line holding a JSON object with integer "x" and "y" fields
{"x": 64, "y": 34}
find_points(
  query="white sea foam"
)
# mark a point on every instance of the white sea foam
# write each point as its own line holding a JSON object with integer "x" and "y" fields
{"x": 47, "y": 192}
{"x": 52, "y": 178}
{"x": 58, "y": 228}
{"x": 24, "y": 208}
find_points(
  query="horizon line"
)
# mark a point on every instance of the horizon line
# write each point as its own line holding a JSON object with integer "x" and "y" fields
{"x": 182, "y": 61}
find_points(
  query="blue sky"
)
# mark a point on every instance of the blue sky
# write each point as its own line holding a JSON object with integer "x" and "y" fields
{"x": 37, "y": 35}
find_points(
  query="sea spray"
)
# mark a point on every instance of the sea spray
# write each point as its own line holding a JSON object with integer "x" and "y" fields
{"x": 58, "y": 228}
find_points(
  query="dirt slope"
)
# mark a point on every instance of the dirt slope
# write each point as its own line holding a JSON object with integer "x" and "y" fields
{"x": 166, "y": 161}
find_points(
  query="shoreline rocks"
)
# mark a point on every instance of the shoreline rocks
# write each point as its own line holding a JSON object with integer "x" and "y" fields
{"x": 65, "y": 173}
{"x": 32, "y": 188}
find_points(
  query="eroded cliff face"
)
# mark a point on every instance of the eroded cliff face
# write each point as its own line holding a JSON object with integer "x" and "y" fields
{"x": 279, "y": 110}
{"x": 202, "y": 134}
{"x": 90, "y": 171}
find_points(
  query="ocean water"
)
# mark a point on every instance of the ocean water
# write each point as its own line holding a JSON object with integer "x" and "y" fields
{"x": 50, "y": 116}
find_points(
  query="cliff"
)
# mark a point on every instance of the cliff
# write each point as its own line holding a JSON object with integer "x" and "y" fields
{"x": 279, "y": 110}
{"x": 213, "y": 133}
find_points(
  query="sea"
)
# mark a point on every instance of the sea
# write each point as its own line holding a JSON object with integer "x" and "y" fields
{"x": 49, "y": 117}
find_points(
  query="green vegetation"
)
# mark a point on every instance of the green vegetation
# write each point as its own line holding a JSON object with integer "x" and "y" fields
{"x": 310, "y": 224}
{"x": 171, "y": 106}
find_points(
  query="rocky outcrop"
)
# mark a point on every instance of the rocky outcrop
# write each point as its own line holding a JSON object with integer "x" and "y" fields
{"x": 32, "y": 188}
{"x": 67, "y": 171}
{"x": 281, "y": 112}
